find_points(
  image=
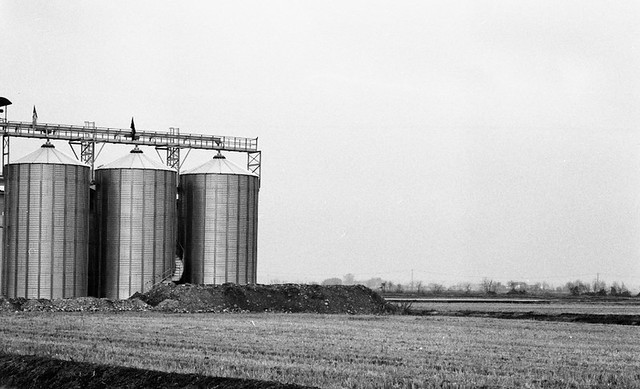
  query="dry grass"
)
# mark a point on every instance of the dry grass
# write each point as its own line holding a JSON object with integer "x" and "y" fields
{"x": 339, "y": 351}
{"x": 601, "y": 308}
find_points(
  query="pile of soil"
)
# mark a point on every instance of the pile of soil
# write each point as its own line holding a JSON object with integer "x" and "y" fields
{"x": 80, "y": 304}
{"x": 221, "y": 298}
{"x": 26, "y": 371}
{"x": 355, "y": 299}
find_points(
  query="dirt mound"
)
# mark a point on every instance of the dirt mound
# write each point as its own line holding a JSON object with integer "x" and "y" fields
{"x": 220, "y": 298}
{"x": 260, "y": 298}
{"x": 25, "y": 371}
{"x": 80, "y": 304}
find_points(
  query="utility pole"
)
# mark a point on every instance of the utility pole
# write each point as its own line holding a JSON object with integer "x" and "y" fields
{"x": 412, "y": 279}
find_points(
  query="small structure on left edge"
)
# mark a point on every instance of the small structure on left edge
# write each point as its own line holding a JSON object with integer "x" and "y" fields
{"x": 46, "y": 226}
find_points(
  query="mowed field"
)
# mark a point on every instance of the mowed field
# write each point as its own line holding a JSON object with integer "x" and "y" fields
{"x": 622, "y": 307}
{"x": 339, "y": 351}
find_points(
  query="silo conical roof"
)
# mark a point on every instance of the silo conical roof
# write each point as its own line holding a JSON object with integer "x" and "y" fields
{"x": 135, "y": 160}
{"x": 220, "y": 165}
{"x": 47, "y": 154}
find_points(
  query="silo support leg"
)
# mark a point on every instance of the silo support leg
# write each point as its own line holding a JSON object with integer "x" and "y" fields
{"x": 253, "y": 162}
{"x": 5, "y": 152}
{"x": 87, "y": 154}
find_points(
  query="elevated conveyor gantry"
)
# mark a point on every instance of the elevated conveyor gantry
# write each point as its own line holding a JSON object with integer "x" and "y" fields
{"x": 89, "y": 135}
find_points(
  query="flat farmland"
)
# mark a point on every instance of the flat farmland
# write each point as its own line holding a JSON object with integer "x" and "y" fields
{"x": 631, "y": 307}
{"x": 339, "y": 351}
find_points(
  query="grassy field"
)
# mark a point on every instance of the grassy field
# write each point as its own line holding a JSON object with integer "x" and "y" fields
{"x": 339, "y": 351}
{"x": 600, "y": 308}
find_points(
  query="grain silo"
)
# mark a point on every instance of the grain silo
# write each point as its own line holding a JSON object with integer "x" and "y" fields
{"x": 219, "y": 222}
{"x": 1, "y": 230}
{"x": 137, "y": 216}
{"x": 46, "y": 226}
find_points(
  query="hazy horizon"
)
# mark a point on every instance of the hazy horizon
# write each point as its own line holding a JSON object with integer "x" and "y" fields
{"x": 458, "y": 140}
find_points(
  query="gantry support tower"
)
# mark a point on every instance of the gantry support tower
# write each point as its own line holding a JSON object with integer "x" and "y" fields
{"x": 88, "y": 136}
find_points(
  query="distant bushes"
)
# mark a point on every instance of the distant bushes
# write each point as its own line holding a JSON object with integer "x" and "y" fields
{"x": 597, "y": 288}
{"x": 488, "y": 287}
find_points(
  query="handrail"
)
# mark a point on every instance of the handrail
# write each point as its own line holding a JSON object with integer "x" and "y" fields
{"x": 162, "y": 277}
{"x": 124, "y": 136}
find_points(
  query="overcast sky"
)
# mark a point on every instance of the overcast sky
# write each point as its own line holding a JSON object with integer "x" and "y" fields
{"x": 457, "y": 139}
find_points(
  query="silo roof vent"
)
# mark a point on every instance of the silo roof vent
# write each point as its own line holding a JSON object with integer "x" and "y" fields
{"x": 49, "y": 155}
{"x": 220, "y": 165}
{"x": 135, "y": 160}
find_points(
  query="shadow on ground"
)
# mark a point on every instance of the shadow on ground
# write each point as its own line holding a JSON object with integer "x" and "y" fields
{"x": 26, "y": 371}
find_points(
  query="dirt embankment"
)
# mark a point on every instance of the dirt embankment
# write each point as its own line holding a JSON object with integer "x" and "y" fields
{"x": 271, "y": 298}
{"x": 80, "y": 304}
{"x": 26, "y": 371}
{"x": 221, "y": 298}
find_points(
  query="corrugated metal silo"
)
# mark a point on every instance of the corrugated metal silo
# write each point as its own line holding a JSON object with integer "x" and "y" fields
{"x": 94, "y": 265}
{"x": 46, "y": 226}
{"x": 137, "y": 215}
{"x": 1, "y": 232}
{"x": 220, "y": 223}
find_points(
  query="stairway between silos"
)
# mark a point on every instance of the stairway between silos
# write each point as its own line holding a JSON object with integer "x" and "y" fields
{"x": 173, "y": 275}
{"x": 177, "y": 273}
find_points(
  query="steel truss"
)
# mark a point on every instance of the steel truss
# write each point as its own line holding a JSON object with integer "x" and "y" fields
{"x": 88, "y": 135}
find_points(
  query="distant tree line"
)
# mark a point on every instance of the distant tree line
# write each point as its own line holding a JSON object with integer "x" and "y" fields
{"x": 487, "y": 286}
{"x": 597, "y": 288}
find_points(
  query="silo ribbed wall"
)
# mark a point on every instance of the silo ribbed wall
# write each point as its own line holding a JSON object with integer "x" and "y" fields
{"x": 93, "y": 271}
{"x": 46, "y": 230}
{"x": 1, "y": 235}
{"x": 136, "y": 228}
{"x": 220, "y": 221}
